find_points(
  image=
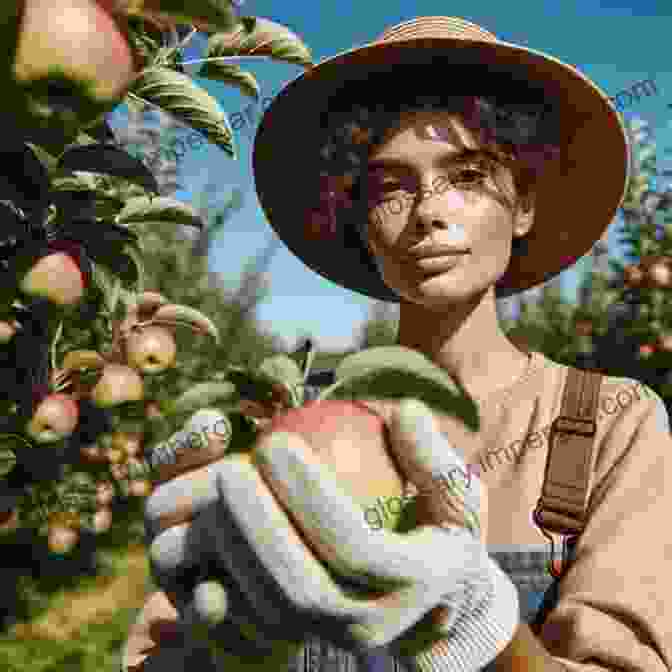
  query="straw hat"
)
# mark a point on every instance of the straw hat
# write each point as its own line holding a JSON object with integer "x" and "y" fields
{"x": 577, "y": 196}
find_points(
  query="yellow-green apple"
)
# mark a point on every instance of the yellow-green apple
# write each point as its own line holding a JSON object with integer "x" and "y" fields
{"x": 117, "y": 385}
{"x": 129, "y": 443}
{"x": 150, "y": 349}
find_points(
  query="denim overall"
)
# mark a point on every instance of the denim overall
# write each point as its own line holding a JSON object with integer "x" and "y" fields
{"x": 527, "y": 567}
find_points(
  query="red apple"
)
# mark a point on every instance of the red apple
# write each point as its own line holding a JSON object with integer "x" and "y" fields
{"x": 92, "y": 453}
{"x": 659, "y": 273}
{"x": 7, "y": 331}
{"x": 140, "y": 487}
{"x": 119, "y": 471}
{"x": 151, "y": 349}
{"x": 117, "y": 385}
{"x": 352, "y": 438}
{"x": 83, "y": 41}
{"x": 102, "y": 520}
{"x": 62, "y": 539}
{"x": 104, "y": 493}
{"x": 646, "y": 350}
{"x": 9, "y": 520}
{"x": 664, "y": 343}
{"x": 153, "y": 410}
{"x": 55, "y": 417}
{"x": 583, "y": 327}
{"x": 633, "y": 275}
{"x": 56, "y": 277}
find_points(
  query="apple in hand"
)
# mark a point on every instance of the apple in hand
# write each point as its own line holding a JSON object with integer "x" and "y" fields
{"x": 352, "y": 438}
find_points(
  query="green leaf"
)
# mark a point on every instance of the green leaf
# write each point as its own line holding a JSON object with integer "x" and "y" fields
{"x": 101, "y": 131}
{"x": 259, "y": 38}
{"x": 200, "y": 396}
{"x": 233, "y": 75}
{"x": 252, "y": 385}
{"x": 282, "y": 369}
{"x": 137, "y": 279}
{"x": 162, "y": 208}
{"x": 218, "y": 14}
{"x": 180, "y": 97}
{"x": 110, "y": 160}
{"x": 7, "y": 461}
{"x": 73, "y": 181}
{"x": 108, "y": 283}
{"x": 396, "y": 372}
{"x": 83, "y": 139}
{"x": 48, "y": 160}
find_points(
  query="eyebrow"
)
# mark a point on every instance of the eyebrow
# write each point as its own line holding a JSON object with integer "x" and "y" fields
{"x": 398, "y": 162}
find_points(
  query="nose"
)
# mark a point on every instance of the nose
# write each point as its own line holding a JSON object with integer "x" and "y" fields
{"x": 437, "y": 206}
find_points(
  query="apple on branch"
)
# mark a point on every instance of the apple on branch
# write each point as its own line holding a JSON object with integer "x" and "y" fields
{"x": 55, "y": 417}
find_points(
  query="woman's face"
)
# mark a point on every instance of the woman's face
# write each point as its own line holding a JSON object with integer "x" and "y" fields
{"x": 427, "y": 186}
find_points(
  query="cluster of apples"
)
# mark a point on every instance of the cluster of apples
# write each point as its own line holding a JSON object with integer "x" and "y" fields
{"x": 652, "y": 272}
{"x": 121, "y": 453}
{"x": 143, "y": 344}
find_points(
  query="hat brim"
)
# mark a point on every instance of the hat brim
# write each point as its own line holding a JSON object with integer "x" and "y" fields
{"x": 577, "y": 197}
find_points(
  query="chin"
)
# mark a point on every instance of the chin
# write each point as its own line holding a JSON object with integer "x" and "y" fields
{"x": 441, "y": 290}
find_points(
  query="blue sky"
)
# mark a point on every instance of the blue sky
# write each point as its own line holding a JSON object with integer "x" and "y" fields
{"x": 614, "y": 42}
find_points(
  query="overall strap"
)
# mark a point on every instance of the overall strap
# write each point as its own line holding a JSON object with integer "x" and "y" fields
{"x": 561, "y": 509}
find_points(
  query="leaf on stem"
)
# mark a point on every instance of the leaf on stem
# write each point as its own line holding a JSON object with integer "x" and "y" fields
{"x": 232, "y": 74}
{"x": 396, "y": 372}
{"x": 141, "y": 209}
{"x": 201, "y": 395}
{"x": 109, "y": 160}
{"x": 177, "y": 95}
{"x": 260, "y": 37}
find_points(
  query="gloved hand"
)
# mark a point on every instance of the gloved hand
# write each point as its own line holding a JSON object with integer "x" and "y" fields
{"x": 281, "y": 576}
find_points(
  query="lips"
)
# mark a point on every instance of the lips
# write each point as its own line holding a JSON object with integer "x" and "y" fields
{"x": 435, "y": 251}
{"x": 438, "y": 264}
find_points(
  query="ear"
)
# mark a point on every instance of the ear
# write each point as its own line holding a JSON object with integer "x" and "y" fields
{"x": 523, "y": 218}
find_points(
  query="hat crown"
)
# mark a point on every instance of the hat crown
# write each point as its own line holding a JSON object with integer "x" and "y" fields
{"x": 430, "y": 27}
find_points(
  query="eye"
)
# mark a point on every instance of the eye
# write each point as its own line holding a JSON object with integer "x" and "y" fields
{"x": 469, "y": 176}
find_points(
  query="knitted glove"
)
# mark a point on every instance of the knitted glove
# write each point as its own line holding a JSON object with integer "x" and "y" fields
{"x": 287, "y": 586}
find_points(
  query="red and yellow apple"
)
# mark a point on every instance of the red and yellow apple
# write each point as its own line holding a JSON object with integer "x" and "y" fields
{"x": 57, "y": 277}
{"x": 150, "y": 349}
{"x": 55, "y": 417}
{"x": 118, "y": 384}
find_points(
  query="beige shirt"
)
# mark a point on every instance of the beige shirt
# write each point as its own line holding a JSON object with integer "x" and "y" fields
{"x": 615, "y": 604}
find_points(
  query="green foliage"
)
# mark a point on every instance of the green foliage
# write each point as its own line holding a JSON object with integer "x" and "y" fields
{"x": 395, "y": 372}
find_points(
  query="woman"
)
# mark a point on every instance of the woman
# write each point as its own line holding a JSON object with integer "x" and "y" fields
{"x": 507, "y": 175}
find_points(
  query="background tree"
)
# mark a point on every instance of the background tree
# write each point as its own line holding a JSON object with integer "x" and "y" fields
{"x": 381, "y": 326}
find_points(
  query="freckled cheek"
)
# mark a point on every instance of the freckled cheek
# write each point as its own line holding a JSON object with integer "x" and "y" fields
{"x": 454, "y": 199}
